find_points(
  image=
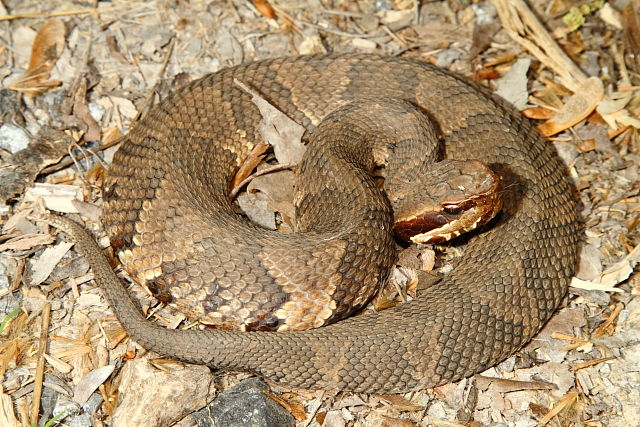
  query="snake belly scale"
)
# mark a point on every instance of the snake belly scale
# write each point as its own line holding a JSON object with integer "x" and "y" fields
{"x": 507, "y": 284}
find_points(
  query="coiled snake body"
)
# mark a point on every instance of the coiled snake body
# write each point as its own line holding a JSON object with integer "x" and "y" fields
{"x": 500, "y": 293}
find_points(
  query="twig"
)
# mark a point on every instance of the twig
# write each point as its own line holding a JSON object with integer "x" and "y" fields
{"x": 346, "y": 13}
{"x": 48, "y": 14}
{"x": 403, "y": 43}
{"x": 37, "y": 387}
{"x": 525, "y": 28}
{"x": 69, "y": 161}
{"x": 337, "y": 32}
{"x": 165, "y": 62}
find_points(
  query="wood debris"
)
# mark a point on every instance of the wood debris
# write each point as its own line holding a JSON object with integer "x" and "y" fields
{"x": 78, "y": 77}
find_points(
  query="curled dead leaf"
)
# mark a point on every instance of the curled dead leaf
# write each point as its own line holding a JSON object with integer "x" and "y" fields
{"x": 45, "y": 51}
{"x": 582, "y": 103}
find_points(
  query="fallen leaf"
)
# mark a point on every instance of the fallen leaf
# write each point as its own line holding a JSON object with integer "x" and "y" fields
{"x": 81, "y": 111}
{"x": 400, "y": 403}
{"x": 45, "y": 51}
{"x": 21, "y": 169}
{"x": 621, "y": 270}
{"x": 587, "y": 145}
{"x": 256, "y": 207}
{"x": 296, "y": 409}
{"x": 513, "y": 85}
{"x": 577, "y": 108}
{"x": 112, "y": 44}
{"x": 58, "y": 364}
{"x": 90, "y": 383}
{"x": 44, "y": 265}
{"x": 485, "y": 73}
{"x": 565, "y": 403}
{"x": 278, "y": 186}
{"x": 264, "y": 8}
{"x": 538, "y": 113}
{"x": 251, "y": 162}
{"x": 277, "y": 129}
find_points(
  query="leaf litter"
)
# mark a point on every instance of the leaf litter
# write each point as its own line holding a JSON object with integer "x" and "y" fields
{"x": 581, "y": 80}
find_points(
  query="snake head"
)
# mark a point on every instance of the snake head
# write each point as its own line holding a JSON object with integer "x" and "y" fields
{"x": 464, "y": 197}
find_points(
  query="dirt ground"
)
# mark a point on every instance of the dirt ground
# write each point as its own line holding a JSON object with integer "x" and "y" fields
{"x": 76, "y": 74}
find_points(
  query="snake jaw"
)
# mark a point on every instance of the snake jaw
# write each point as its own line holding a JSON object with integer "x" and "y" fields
{"x": 452, "y": 217}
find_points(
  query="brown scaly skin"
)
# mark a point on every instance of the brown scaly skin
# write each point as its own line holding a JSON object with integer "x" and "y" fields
{"x": 505, "y": 287}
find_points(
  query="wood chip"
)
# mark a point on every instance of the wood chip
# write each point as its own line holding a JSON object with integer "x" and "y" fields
{"x": 47, "y": 261}
{"x": 56, "y": 197}
{"x": 90, "y": 383}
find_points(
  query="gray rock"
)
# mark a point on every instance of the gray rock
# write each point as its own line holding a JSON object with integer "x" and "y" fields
{"x": 69, "y": 407}
{"x": 13, "y": 138}
{"x": 245, "y": 405}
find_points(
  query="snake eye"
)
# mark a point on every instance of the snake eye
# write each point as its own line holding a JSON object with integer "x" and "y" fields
{"x": 452, "y": 210}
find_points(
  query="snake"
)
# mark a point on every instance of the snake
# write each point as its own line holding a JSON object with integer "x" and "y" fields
{"x": 168, "y": 213}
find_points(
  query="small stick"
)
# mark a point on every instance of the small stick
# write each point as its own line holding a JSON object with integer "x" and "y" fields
{"x": 163, "y": 68}
{"x": 37, "y": 387}
{"x": 68, "y": 161}
{"x": 48, "y": 14}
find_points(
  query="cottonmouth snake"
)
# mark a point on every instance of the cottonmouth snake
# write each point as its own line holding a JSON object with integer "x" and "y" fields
{"x": 500, "y": 293}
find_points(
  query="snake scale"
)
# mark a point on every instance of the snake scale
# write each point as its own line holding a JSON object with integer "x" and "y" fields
{"x": 507, "y": 284}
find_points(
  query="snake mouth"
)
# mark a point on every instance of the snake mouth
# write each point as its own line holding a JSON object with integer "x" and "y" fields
{"x": 450, "y": 218}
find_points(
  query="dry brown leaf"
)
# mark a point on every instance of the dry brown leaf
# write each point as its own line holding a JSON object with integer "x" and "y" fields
{"x": 15, "y": 341}
{"x": 485, "y": 73}
{"x": 45, "y": 51}
{"x": 265, "y": 8}
{"x": 576, "y": 109}
{"x": 387, "y": 421}
{"x": 18, "y": 221}
{"x": 22, "y": 168}
{"x": 583, "y": 365}
{"x": 538, "y": 113}
{"x": 252, "y": 161}
{"x": 400, "y": 403}
{"x": 621, "y": 270}
{"x": 81, "y": 111}
{"x": 278, "y": 187}
{"x": 296, "y": 409}
{"x": 277, "y": 129}
{"x": 587, "y": 145}
{"x": 524, "y": 27}
{"x": 72, "y": 350}
{"x": 112, "y": 44}
{"x": 58, "y": 364}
